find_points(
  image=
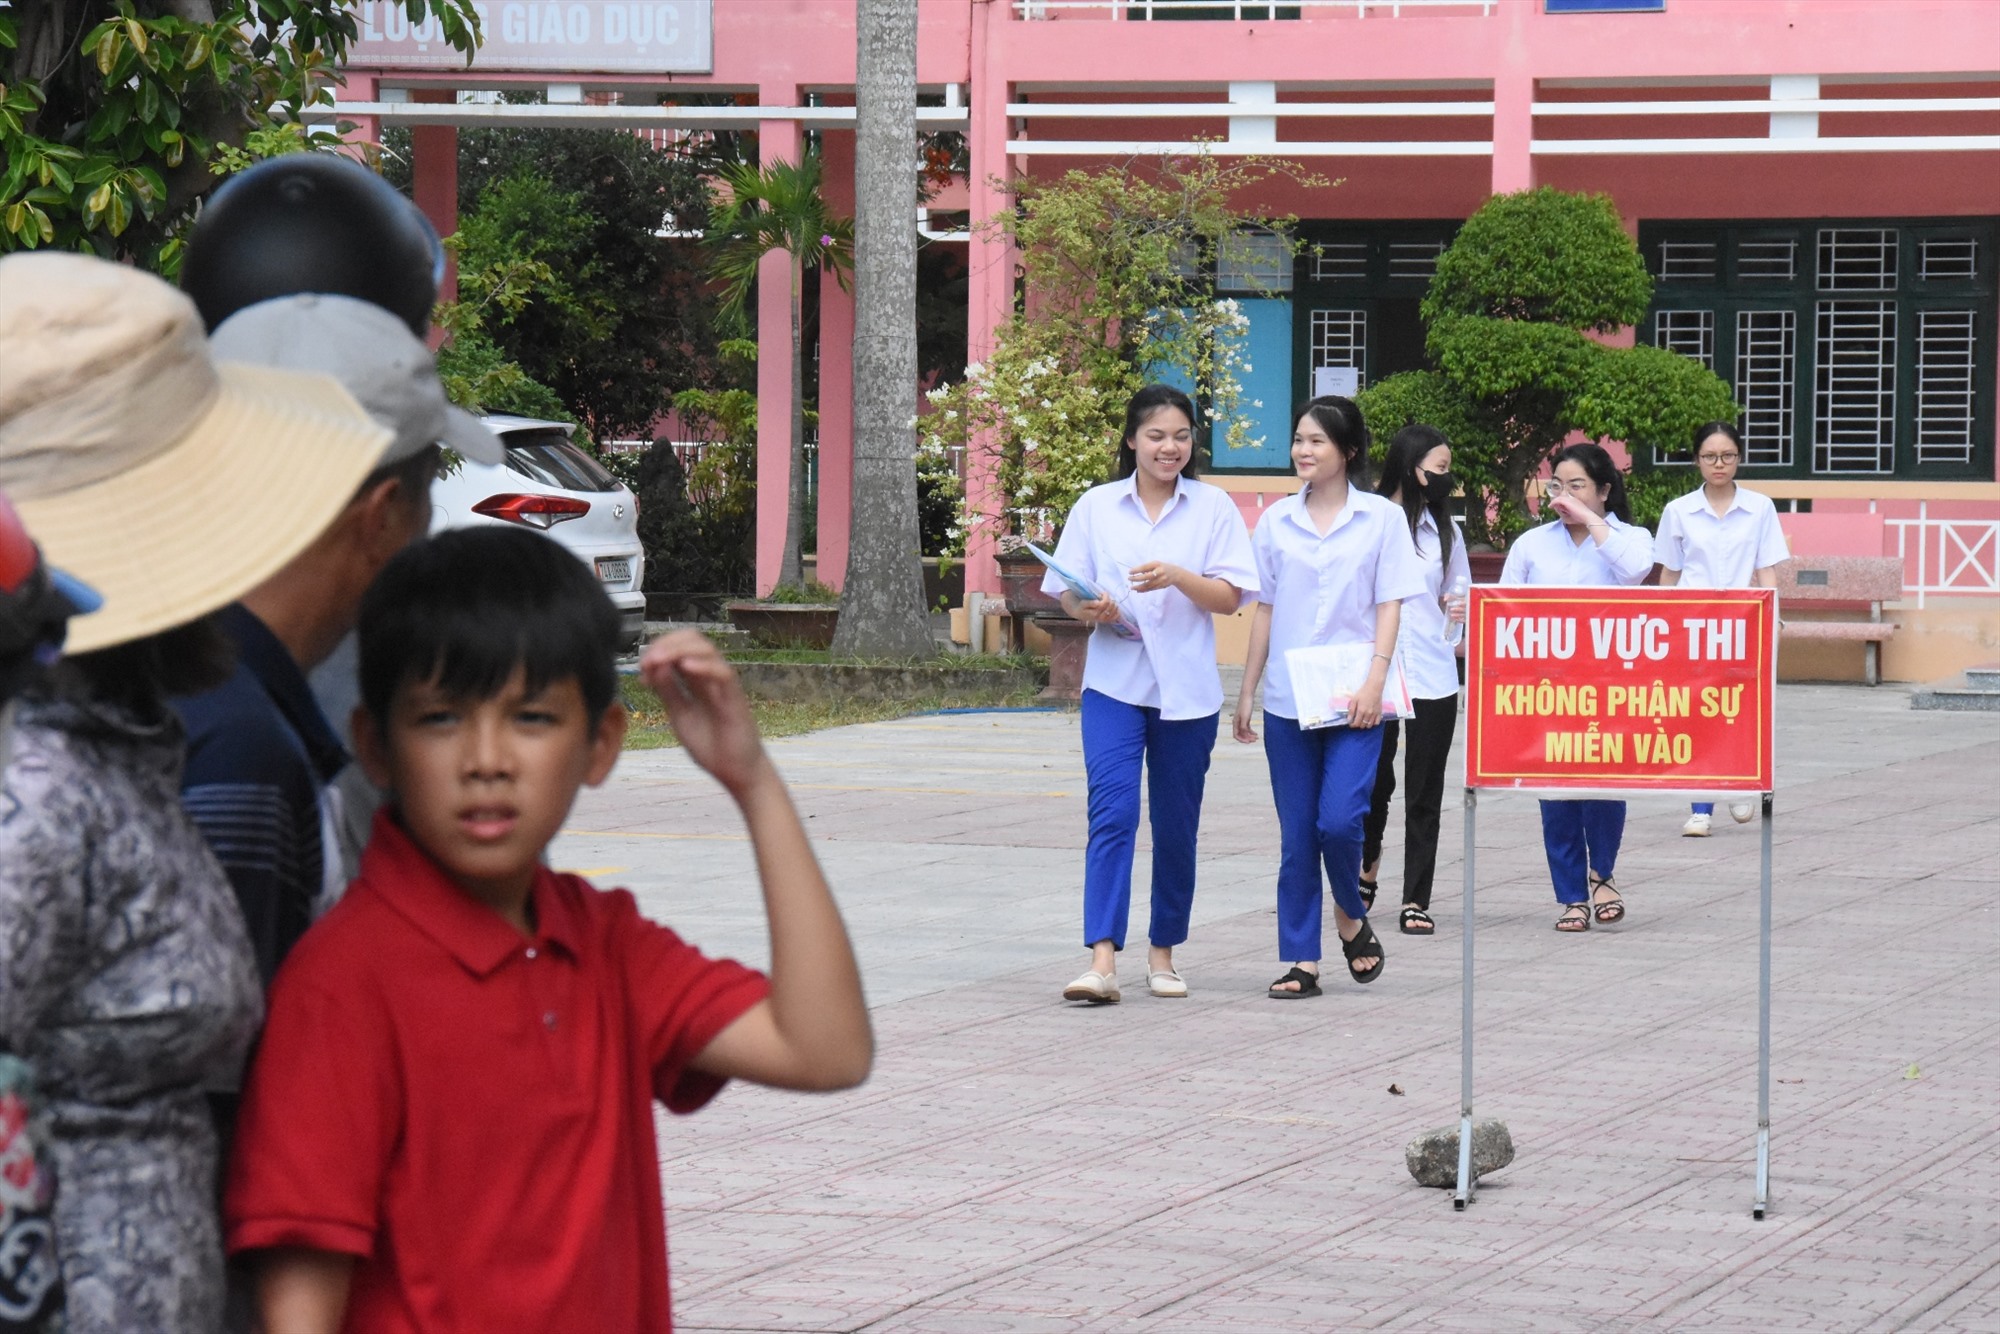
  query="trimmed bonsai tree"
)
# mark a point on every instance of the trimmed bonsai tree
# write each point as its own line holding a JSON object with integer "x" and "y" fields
{"x": 1509, "y": 322}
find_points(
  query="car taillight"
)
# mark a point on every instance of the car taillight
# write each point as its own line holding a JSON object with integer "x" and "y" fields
{"x": 534, "y": 511}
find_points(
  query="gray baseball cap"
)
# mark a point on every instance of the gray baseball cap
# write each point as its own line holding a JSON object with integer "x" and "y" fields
{"x": 373, "y": 354}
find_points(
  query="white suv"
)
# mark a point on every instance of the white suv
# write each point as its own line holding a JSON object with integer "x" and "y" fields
{"x": 550, "y": 484}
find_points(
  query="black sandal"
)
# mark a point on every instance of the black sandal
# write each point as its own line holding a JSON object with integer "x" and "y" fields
{"x": 1308, "y": 985}
{"x": 1416, "y": 922}
{"x": 1575, "y": 917}
{"x": 1368, "y": 888}
{"x": 1608, "y": 910}
{"x": 1363, "y": 946}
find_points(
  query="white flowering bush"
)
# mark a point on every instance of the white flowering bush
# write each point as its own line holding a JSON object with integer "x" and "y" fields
{"x": 1115, "y": 297}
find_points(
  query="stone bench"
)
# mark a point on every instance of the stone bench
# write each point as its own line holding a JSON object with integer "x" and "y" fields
{"x": 1839, "y": 589}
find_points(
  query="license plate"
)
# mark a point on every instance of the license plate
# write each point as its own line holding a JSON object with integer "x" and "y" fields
{"x": 614, "y": 570}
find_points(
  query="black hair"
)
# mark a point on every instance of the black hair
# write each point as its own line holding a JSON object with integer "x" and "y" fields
{"x": 1708, "y": 429}
{"x": 1143, "y": 405}
{"x": 1597, "y": 466}
{"x": 466, "y": 609}
{"x": 413, "y": 477}
{"x": 141, "y": 674}
{"x": 1343, "y": 424}
{"x": 1407, "y": 449}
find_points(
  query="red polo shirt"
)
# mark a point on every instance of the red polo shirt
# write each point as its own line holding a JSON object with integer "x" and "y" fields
{"x": 468, "y": 1111}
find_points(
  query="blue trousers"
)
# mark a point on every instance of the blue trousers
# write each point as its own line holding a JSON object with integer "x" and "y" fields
{"x": 1581, "y": 837}
{"x": 1321, "y": 781}
{"x": 1703, "y": 808}
{"x": 1117, "y": 739}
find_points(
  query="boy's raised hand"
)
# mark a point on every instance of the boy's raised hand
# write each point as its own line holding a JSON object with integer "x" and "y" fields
{"x": 705, "y": 705}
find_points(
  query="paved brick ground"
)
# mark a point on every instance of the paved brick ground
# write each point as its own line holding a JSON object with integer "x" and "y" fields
{"x": 1229, "y": 1162}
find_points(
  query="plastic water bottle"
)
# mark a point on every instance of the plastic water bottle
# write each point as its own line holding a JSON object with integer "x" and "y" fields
{"x": 1454, "y": 630}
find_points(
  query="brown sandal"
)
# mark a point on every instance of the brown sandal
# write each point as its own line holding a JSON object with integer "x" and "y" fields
{"x": 1575, "y": 917}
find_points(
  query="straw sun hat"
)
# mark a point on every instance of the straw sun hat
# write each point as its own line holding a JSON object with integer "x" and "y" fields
{"x": 169, "y": 483}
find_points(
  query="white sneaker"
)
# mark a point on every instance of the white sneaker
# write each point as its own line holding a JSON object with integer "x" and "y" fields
{"x": 1696, "y": 827}
{"x": 1742, "y": 812}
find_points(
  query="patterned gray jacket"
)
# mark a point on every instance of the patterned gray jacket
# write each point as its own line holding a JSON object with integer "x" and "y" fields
{"x": 128, "y": 983}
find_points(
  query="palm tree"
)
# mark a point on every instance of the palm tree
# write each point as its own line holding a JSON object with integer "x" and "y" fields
{"x": 779, "y": 207}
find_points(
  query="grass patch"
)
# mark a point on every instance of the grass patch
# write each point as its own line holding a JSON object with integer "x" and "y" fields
{"x": 942, "y": 662}
{"x": 776, "y": 718}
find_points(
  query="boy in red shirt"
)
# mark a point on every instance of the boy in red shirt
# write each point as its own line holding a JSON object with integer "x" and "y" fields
{"x": 449, "y": 1124}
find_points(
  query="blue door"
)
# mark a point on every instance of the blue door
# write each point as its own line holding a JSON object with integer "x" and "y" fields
{"x": 1267, "y": 390}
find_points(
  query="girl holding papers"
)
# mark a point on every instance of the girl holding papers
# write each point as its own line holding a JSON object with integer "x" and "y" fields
{"x": 1416, "y": 476}
{"x": 1591, "y": 541}
{"x": 1719, "y": 536}
{"x": 1334, "y": 564}
{"x": 1162, "y": 554}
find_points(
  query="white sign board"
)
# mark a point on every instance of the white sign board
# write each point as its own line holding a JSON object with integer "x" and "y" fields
{"x": 547, "y": 36}
{"x": 1342, "y": 380}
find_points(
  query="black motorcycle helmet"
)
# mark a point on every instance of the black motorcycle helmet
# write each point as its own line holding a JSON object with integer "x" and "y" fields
{"x": 312, "y": 222}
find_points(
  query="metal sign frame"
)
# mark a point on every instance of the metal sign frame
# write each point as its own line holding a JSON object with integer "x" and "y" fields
{"x": 1467, "y": 1183}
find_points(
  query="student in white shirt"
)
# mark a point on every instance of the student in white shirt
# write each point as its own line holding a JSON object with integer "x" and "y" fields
{"x": 1334, "y": 564}
{"x": 1416, "y": 475}
{"x": 1720, "y": 536}
{"x": 1590, "y": 542}
{"x": 1169, "y": 553}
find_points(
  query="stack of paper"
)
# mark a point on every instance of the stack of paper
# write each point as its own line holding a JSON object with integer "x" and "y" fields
{"x": 1325, "y": 677}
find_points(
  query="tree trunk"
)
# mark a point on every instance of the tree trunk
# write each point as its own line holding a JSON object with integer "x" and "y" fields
{"x": 791, "y": 563}
{"x": 882, "y": 613}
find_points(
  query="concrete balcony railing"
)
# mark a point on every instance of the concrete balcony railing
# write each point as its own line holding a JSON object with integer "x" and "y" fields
{"x": 1242, "y": 11}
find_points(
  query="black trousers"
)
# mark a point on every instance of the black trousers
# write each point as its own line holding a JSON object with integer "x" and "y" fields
{"x": 1430, "y": 734}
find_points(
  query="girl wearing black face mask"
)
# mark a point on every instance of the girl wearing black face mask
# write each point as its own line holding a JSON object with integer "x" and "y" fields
{"x": 1416, "y": 474}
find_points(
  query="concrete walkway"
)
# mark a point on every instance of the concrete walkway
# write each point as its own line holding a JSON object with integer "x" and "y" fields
{"x": 1229, "y": 1162}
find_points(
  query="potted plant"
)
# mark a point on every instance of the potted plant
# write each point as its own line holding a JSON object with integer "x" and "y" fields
{"x": 793, "y": 616}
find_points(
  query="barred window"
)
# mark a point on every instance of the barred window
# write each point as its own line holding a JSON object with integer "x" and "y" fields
{"x": 1860, "y": 348}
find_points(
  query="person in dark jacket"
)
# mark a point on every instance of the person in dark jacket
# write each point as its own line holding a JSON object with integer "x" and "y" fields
{"x": 262, "y": 756}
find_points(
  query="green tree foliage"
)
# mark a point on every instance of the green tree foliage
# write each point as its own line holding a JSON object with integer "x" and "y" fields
{"x": 1509, "y": 322}
{"x": 117, "y": 116}
{"x": 1113, "y": 262}
{"x": 756, "y": 211}
{"x": 699, "y": 524}
{"x": 624, "y": 319}
{"x": 507, "y": 249}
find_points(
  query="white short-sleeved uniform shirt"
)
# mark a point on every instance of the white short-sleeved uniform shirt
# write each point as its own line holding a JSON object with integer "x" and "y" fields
{"x": 1547, "y": 555}
{"x": 1171, "y": 666}
{"x": 1324, "y": 589}
{"x": 1719, "y": 550}
{"x": 1430, "y": 661}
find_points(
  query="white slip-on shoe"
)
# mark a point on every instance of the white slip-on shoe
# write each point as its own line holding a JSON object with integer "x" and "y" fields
{"x": 1095, "y": 987}
{"x": 1696, "y": 827}
{"x": 1165, "y": 982}
{"x": 1742, "y": 812}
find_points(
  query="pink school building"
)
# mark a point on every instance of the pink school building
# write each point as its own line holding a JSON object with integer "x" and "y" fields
{"x": 1815, "y": 185}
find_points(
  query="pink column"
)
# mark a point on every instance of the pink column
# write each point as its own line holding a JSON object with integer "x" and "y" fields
{"x": 356, "y": 87}
{"x": 1513, "y": 126}
{"x": 990, "y": 266}
{"x": 777, "y": 141}
{"x": 836, "y": 377}
{"x": 434, "y": 171}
